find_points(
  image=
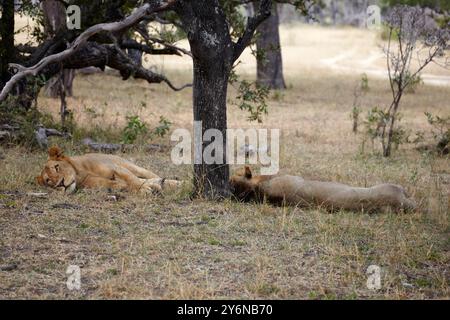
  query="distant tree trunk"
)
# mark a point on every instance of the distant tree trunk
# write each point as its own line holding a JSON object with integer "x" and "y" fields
{"x": 24, "y": 97}
{"x": 54, "y": 23}
{"x": 53, "y": 86}
{"x": 7, "y": 40}
{"x": 269, "y": 58}
{"x": 334, "y": 11}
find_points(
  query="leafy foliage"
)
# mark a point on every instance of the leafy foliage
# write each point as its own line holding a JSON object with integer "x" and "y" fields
{"x": 134, "y": 128}
{"x": 376, "y": 120}
{"x": 163, "y": 128}
{"x": 365, "y": 83}
{"x": 252, "y": 98}
{"x": 413, "y": 81}
{"x": 412, "y": 34}
{"x": 440, "y": 132}
{"x": 23, "y": 123}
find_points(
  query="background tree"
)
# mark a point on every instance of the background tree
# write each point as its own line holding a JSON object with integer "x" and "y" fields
{"x": 269, "y": 59}
{"x": 54, "y": 18}
{"x": 7, "y": 39}
{"x": 409, "y": 38}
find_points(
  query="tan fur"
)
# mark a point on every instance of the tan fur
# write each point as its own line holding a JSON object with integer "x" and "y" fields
{"x": 293, "y": 190}
{"x": 95, "y": 170}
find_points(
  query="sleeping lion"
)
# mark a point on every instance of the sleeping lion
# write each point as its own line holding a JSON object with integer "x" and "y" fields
{"x": 292, "y": 190}
{"x": 95, "y": 170}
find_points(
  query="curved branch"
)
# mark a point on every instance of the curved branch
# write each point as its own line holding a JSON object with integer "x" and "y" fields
{"x": 102, "y": 55}
{"x": 252, "y": 23}
{"x": 171, "y": 86}
{"x": 144, "y": 34}
{"x": 128, "y": 22}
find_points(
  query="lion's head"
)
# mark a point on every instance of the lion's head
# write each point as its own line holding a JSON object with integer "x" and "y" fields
{"x": 242, "y": 185}
{"x": 58, "y": 173}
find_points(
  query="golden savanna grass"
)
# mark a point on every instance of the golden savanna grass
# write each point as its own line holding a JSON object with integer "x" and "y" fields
{"x": 174, "y": 247}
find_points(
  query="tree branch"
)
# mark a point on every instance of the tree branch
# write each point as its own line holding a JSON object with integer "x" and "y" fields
{"x": 97, "y": 55}
{"x": 131, "y": 20}
{"x": 144, "y": 34}
{"x": 252, "y": 23}
{"x": 133, "y": 44}
{"x": 121, "y": 61}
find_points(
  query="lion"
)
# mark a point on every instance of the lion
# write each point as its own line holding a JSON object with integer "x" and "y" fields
{"x": 99, "y": 171}
{"x": 294, "y": 190}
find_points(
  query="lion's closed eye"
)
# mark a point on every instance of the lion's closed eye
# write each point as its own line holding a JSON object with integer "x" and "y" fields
{"x": 57, "y": 168}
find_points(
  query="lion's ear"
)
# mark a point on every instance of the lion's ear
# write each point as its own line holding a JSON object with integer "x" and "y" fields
{"x": 40, "y": 180}
{"x": 248, "y": 172}
{"x": 55, "y": 153}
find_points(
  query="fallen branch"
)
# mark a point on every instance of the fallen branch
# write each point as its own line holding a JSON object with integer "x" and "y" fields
{"x": 42, "y": 134}
{"x": 37, "y": 194}
{"x": 116, "y": 147}
{"x": 8, "y": 267}
{"x": 7, "y": 127}
{"x": 139, "y": 14}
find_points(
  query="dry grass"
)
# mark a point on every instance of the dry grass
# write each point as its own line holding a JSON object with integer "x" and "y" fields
{"x": 172, "y": 247}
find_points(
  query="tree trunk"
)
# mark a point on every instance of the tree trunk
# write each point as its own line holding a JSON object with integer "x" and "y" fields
{"x": 135, "y": 55}
{"x": 387, "y": 146}
{"x": 24, "y": 95}
{"x": 53, "y": 86}
{"x": 54, "y": 23}
{"x": 269, "y": 58}
{"x": 212, "y": 51}
{"x": 210, "y": 94}
{"x": 7, "y": 40}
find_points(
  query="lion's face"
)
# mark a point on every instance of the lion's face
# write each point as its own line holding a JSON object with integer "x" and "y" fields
{"x": 58, "y": 174}
{"x": 242, "y": 185}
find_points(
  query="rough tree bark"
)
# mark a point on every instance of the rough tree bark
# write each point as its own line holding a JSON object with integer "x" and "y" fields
{"x": 212, "y": 52}
{"x": 135, "y": 55}
{"x": 7, "y": 40}
{"x": 269, "y": 59}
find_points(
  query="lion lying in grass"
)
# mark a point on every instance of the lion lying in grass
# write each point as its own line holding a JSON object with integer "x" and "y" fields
{"x": 95, "y": 170}
{"x": 292, "y": 190}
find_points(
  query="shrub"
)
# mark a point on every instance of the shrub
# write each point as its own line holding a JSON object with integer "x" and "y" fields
{"x": 134, "y": 128}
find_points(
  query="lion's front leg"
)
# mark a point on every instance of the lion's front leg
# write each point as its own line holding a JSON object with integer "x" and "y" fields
{"x": 136, "y": 184}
